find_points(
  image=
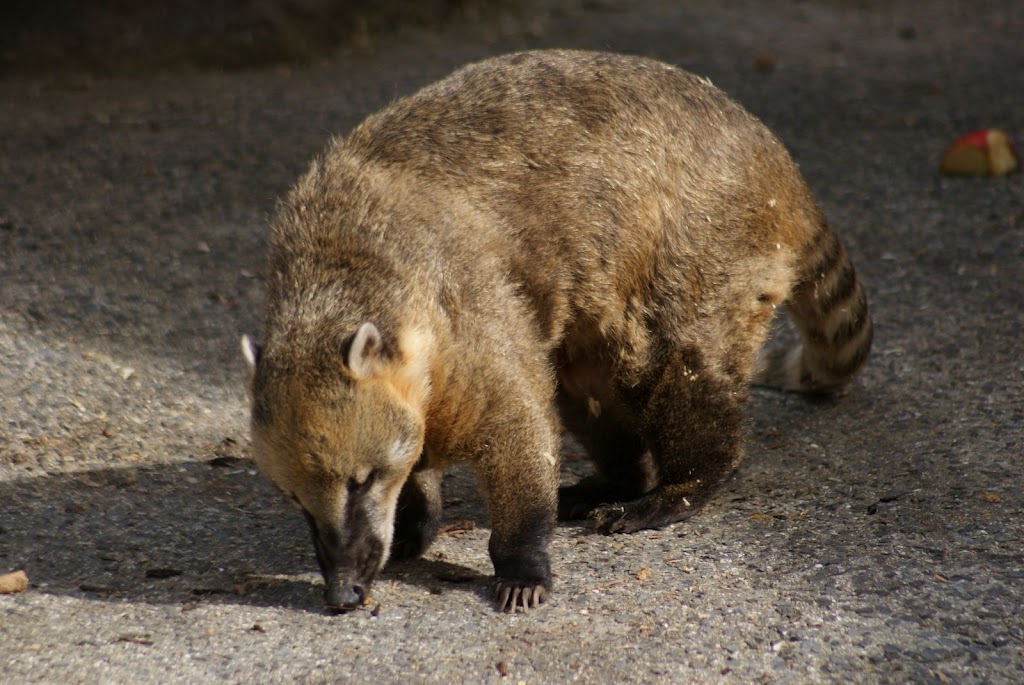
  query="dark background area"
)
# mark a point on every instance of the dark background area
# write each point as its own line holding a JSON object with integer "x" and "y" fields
{"x": 127, "y": 35}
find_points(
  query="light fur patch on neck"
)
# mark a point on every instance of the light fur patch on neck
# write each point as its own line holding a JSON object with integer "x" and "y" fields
{"x": 410, "y": 377}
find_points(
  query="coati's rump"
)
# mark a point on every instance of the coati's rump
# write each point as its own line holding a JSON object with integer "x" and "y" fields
{"x": 542, "y": 241}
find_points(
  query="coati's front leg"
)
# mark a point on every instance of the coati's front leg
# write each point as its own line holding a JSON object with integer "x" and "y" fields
{"x": 692, "y": 420}
{"x": 418, "y": 514}
{"x": 518, "y": 468}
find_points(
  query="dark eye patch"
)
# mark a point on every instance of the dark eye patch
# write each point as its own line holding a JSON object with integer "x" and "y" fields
{"x": 357, "y": 488}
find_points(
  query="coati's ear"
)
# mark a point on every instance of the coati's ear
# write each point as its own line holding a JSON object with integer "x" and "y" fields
{"x": 365, "y": 351}
{"x": 251, "y": 352}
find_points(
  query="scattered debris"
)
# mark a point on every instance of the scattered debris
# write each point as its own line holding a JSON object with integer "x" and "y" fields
{"x": 125, "y": 372}
{"x": 685, "y": 569}
{"x": 228, "y": 462}
{"x": 885, "y": 499}
{"x": 456, "y": 575}
{"x": 161, "y": 573}
{"x": 10, "y": 583}
{"x": 100, "y": 589}
{"x": 992, "y": 497}
{"x": 136, "y": 638}
{"x": 458, "y": 527}
{"x": 220, "y": 299}
{"x": 607, "y": 586}
{"x": 764, "y": 63}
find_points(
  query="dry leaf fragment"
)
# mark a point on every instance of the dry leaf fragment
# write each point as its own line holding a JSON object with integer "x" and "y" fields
{"x": 137, "y": 639}
{"x": 764, "y": 63}
{"x": 643, "y": 574}
{"x": 11, "y": 583}
{"x": 458, "y": 527}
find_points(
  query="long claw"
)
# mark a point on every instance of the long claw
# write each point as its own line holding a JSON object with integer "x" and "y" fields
{"x": 512, "y": 599}
{"x": 503, "y": 596}
{"x": 514, "y": 602}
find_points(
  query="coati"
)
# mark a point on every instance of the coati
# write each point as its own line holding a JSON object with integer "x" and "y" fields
{"x": 541, "y": 241}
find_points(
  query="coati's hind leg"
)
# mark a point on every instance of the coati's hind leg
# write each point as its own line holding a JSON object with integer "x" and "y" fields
{"x": 692, "y": 419}
{"x": 418, "y": 514}
{"x": 625, "y": 470}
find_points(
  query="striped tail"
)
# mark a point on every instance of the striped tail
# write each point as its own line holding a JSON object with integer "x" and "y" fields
{"x": 830, "y": 309}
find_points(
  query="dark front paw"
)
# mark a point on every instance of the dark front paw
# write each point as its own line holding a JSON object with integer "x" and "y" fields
{"x": 512, "y": 596}
{"x": 522, "y": 580}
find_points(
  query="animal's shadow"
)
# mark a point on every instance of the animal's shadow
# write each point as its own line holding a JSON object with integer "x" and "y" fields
{"x": 209, "y": 531}
{"x": 190, "y": 533}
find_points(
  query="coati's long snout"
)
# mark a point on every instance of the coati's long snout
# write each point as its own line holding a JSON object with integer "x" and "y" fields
{"x": 350, "y": 552}
{"x": 349, "y": 562}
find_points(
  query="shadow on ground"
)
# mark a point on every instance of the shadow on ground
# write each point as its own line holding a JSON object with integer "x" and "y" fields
{"x": 188, "y": 533}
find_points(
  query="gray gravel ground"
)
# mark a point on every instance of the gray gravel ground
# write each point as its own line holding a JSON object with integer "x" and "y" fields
{"x": 872, "y": 538}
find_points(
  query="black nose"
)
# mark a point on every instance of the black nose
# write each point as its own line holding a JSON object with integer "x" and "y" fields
{"x": 343, "y": 596}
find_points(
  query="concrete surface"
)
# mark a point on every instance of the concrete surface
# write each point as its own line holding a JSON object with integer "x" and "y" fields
{"x": 872, "y": 538}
